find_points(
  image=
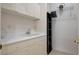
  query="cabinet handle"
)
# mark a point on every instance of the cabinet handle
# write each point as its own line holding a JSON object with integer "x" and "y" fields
{"x": 0, "y": 46}
{"x": 76, "y": 41}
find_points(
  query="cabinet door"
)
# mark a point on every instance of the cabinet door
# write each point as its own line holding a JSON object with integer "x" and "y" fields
{"x": 10, "y": 6}
{"x": 0, "y": 52}
{"x": 9, "y": 49}
{"x": 31, "y": 9}
{"x": 36, "y": 10}
{"x": 32, "y": 47}
{"x": 22, "y": 8}
{"x": 78, "y": 49}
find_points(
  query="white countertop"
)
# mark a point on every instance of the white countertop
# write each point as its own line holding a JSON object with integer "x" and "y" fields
{"x": 21, "y": 38}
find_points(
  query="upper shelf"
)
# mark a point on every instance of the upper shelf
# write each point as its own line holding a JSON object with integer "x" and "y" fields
{"x": 28, "y": 11}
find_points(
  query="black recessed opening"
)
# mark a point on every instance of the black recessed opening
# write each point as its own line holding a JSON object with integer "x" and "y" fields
{"x": 49, "y": 30}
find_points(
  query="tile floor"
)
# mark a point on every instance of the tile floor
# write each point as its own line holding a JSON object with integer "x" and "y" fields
{"x": 55, "y": 52}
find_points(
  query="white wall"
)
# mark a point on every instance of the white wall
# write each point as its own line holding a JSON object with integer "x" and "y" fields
{"x": 13, "y": 25}
{"x": 64, "y": 29}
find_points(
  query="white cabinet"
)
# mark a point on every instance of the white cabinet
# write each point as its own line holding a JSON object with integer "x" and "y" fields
{"x": 9, "y": 6}
{"x": 0, "y": 52}
{"x": 30, "y": 9}
{"x": 0, "y": 23}
{"x": 78, "y": 49}
{"x": 34, "y": 46}
{"x": 77, "y": 42}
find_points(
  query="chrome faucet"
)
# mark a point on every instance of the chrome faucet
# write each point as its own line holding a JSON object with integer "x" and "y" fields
{"x": 28, "y": 31}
